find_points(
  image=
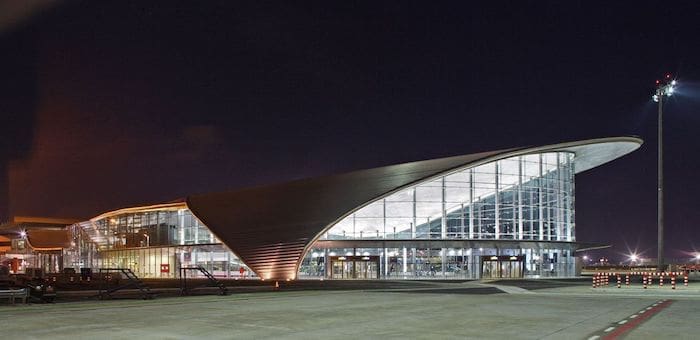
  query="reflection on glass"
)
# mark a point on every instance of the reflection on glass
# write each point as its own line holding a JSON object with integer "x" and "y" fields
{"x": 526, "y": 197}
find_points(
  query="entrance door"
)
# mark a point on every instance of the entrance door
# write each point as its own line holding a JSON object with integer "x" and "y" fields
{"x": 354, "y": 267}
{"x": 342, "y": 269}
{"x": 366, "y": 270}
{"x": 499, "y": 267}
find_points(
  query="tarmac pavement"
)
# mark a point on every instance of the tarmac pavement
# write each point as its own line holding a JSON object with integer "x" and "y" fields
{"x": 422, "y": 310}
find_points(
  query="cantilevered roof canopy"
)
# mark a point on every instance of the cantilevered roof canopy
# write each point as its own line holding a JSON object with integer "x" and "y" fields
{"x": 270, "y": 228}
{"x": 22, "y": 223}
{"x": 47, "y": 239}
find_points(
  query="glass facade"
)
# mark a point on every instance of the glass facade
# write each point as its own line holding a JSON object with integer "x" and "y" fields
{"x": 525, "y": 198}
{"x": 154, "y": 243}
{"x": 528, "y": 198}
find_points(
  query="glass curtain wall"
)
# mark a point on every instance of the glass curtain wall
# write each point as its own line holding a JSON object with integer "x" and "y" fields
{"x": 152, "y": 243}
{"x": 529, "y": 197}
{"x": 440, "y": 263}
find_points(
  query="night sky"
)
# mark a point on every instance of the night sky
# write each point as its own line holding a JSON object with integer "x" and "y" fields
{"x": 111, "y": 104}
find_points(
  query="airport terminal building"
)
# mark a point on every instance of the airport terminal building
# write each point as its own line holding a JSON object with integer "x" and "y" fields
{"x": 506, "y": 213}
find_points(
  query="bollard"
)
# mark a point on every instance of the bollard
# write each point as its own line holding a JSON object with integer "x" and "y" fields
{"x": 594, "y": 282}
{"x": 644, "y": 280}
{"x": 627, "y": 280}
{"x": 685, "y": 279}
{"x": 673, "y": 282}
{"x": 661, "y": 280}
{"x": 619, "y": 284}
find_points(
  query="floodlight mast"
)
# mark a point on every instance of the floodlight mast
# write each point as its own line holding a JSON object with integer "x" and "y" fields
{"x": 663, "y": 88}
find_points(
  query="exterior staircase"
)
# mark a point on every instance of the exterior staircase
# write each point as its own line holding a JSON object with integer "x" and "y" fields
{"x": 132, "y": 281}
{"x": 212, "y": 281}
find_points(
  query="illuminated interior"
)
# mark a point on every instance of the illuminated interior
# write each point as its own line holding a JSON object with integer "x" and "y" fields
{"x": 528, "y": 197}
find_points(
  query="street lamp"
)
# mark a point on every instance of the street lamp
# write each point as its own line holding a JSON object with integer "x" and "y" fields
{"x": 664, "y": 87}
{"x": 633, "y": 257}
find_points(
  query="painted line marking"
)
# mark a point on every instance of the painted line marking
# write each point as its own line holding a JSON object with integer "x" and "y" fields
{"x": 628, "y": 326}
{"x": 595, "y": 337}
{"x": 633, "y": 316}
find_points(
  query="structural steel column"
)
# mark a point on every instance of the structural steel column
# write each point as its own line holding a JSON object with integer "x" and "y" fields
{"x": 471, "y": 203}
{"x": 520, "y": 199}
{"x": 497, "y": 217}
{"x": 540, "y": 216}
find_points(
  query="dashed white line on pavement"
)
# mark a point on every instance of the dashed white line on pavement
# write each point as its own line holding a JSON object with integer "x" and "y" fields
{"x": 622, "y": 322}
{"x": 633, "y": 316}
{"x": 595, "y": 337}
{"x": 608, "y": 329}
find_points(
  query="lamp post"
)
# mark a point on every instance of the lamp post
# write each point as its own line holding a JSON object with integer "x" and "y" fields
{"x": 664, "y": 87}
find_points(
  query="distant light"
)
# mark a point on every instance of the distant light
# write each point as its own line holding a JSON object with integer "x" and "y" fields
{"x": 670, "y": 90}
{"x": 673, "y": 82}
{"x": 536, "y": 257}
{"x": 697, "y": 256}
{"x": 23, "y": 233}
{"x": 585, "y": 257}
{"x": 314, "y": 254}
{"x": 655, "y": 98}
{"x": 365, "y": 253}
{"x": 634, "y": 257}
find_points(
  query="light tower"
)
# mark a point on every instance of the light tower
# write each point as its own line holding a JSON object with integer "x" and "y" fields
{"x": 664, "y": 87}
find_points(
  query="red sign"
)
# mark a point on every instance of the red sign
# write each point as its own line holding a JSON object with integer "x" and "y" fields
{"x": 165, "y": 268}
